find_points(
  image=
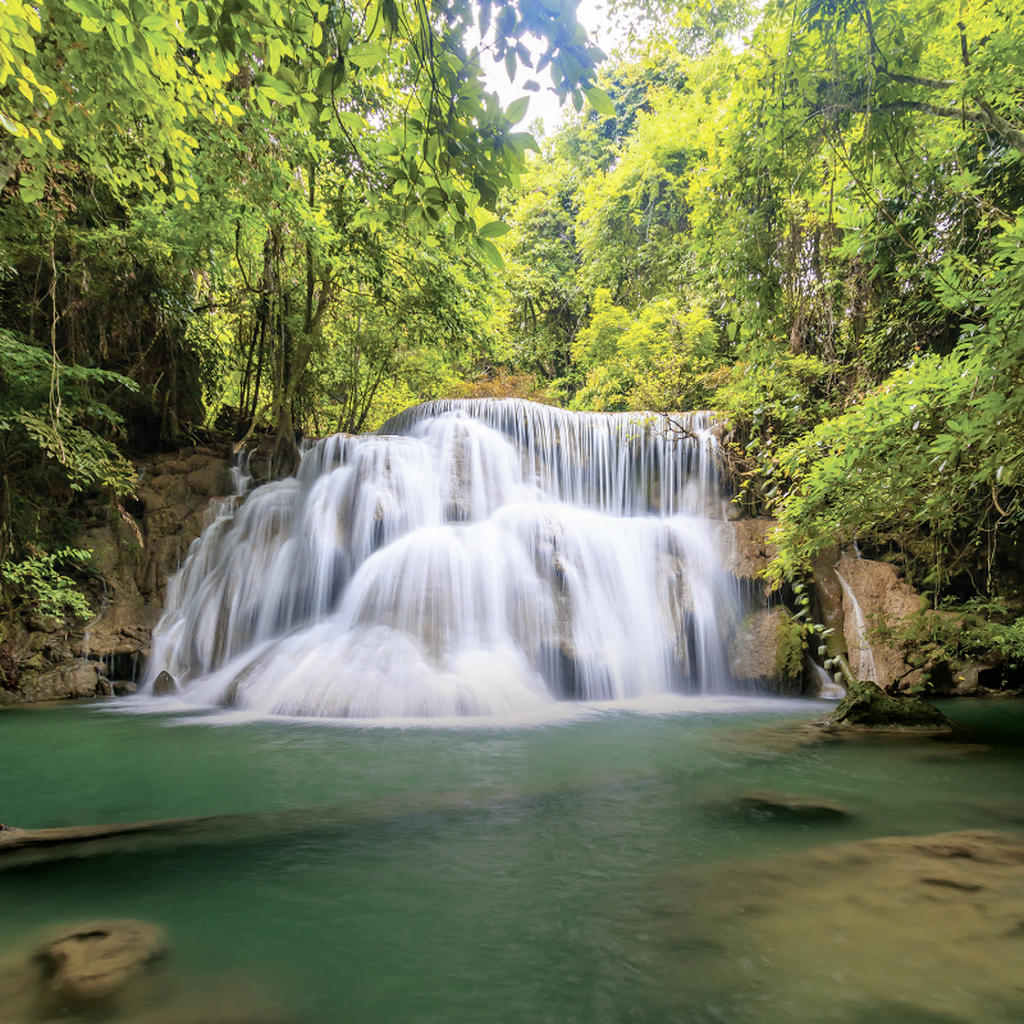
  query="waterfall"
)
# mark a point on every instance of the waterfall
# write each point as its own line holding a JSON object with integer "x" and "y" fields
{"x": 862, "y": 657}
{"x": 474, "y": 557}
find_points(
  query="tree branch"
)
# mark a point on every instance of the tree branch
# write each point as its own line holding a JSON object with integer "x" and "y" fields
{"x": 927, "y": 83}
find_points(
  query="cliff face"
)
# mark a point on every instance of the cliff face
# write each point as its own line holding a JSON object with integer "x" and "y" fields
{"x": 133, "y": 557}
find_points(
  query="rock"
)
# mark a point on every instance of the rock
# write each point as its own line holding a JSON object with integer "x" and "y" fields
{"x": 906, "y": 928}
{"x": 971, "y": 678}
{"x": 134, "y": 554}
{"x": 875, "y": 590}
{"x": 164, "y": 685}
{"x": 10, "y": 671}
{"x": 766, "y": 649}
{"x": 208, "y": 480}
{"x": 745, "y": 546}
{"x": 124, "y": 688}
{"x": 106, "y": 552}
{"x": 865, "y": 706}
{"x": 44, "y": 623}
{"x": 792, "y": 808}
{"x": 82, "y": 680}
{"x": 92, "y": 962}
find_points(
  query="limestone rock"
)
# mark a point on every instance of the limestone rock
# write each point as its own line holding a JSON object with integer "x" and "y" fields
{"x": 83, "y": 680}
{"x": 745, "y": 546}
{"x": 762, "y": 651}
{"x": 874, "y": 595}
{"x": 134, "y": 554}
{"x": 903, "y": 928}
{"x": 970, "y": 678}
{"x": 92, "y": 962}
{"x": 208, "y": 479}
{"x": 164, "y": 685}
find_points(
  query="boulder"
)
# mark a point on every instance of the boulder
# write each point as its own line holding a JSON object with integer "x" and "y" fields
{"x": 92, "y": 962}
{"x": 865, "y": 706}
{"x": 209, "y": 480}
{"x": 767, "y": 649}
{"x": 164, "y": 685}
{"x": 972, "y": 678}
{"x": 82, "y": 680}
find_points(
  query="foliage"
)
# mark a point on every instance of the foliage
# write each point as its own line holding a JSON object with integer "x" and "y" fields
{"x": 981, "y": 630}
{"x": 657, "y": 360}
{"x": 299, "y": 217}
{"x": 253, "y": 213}
{"x": 906, "y": 466}
{"x": 56, "y": 440}
{"x": 841, "y": 196}
{"x": 49, "y": 410}
{"x": 126, "y": 87}
{"x": 789, "y": 652}
{"x": 546, "y": 300}
{"x": 38, "y": 583}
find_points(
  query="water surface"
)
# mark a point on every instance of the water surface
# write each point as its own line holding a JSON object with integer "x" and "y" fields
{"x": 485, "y": 873}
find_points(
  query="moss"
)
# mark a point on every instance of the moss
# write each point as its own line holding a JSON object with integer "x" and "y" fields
{"x": 866, "y": 706}
{"x": 789, "y": 652}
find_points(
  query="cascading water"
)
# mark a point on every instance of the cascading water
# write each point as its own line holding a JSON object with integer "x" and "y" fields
{"x": 473, "y": 558}
{"x": 862, "y": 657}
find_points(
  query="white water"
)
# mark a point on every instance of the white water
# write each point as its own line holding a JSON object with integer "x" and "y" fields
{"x": 475, "y": 558}
{"x": 828, "y": 688}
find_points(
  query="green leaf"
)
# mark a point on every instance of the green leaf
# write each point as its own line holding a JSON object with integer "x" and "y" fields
{"x": 490, "y": 250}
{"x": 494, "y": 229}
{"x": 599, "y": 100}
{"x": 517, "y": 109}
{"x": 366, "y": 55}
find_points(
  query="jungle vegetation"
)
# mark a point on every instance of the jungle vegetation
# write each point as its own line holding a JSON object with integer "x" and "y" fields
{"x": 259, "y": 217}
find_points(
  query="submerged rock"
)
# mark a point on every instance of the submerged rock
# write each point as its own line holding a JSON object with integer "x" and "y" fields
{"x": 865, "y": 706}
{"x": 92, "y": 962}
{"x": 902, "y": 928}
{"x": 786, "y": 806}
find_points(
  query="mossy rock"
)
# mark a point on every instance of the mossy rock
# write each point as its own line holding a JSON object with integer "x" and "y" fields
{"x": 865, "y": 706}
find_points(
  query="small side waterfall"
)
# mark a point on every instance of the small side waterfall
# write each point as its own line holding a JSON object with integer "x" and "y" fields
{"x": 473, "y": 558}
{"x": 862, "y": 657}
